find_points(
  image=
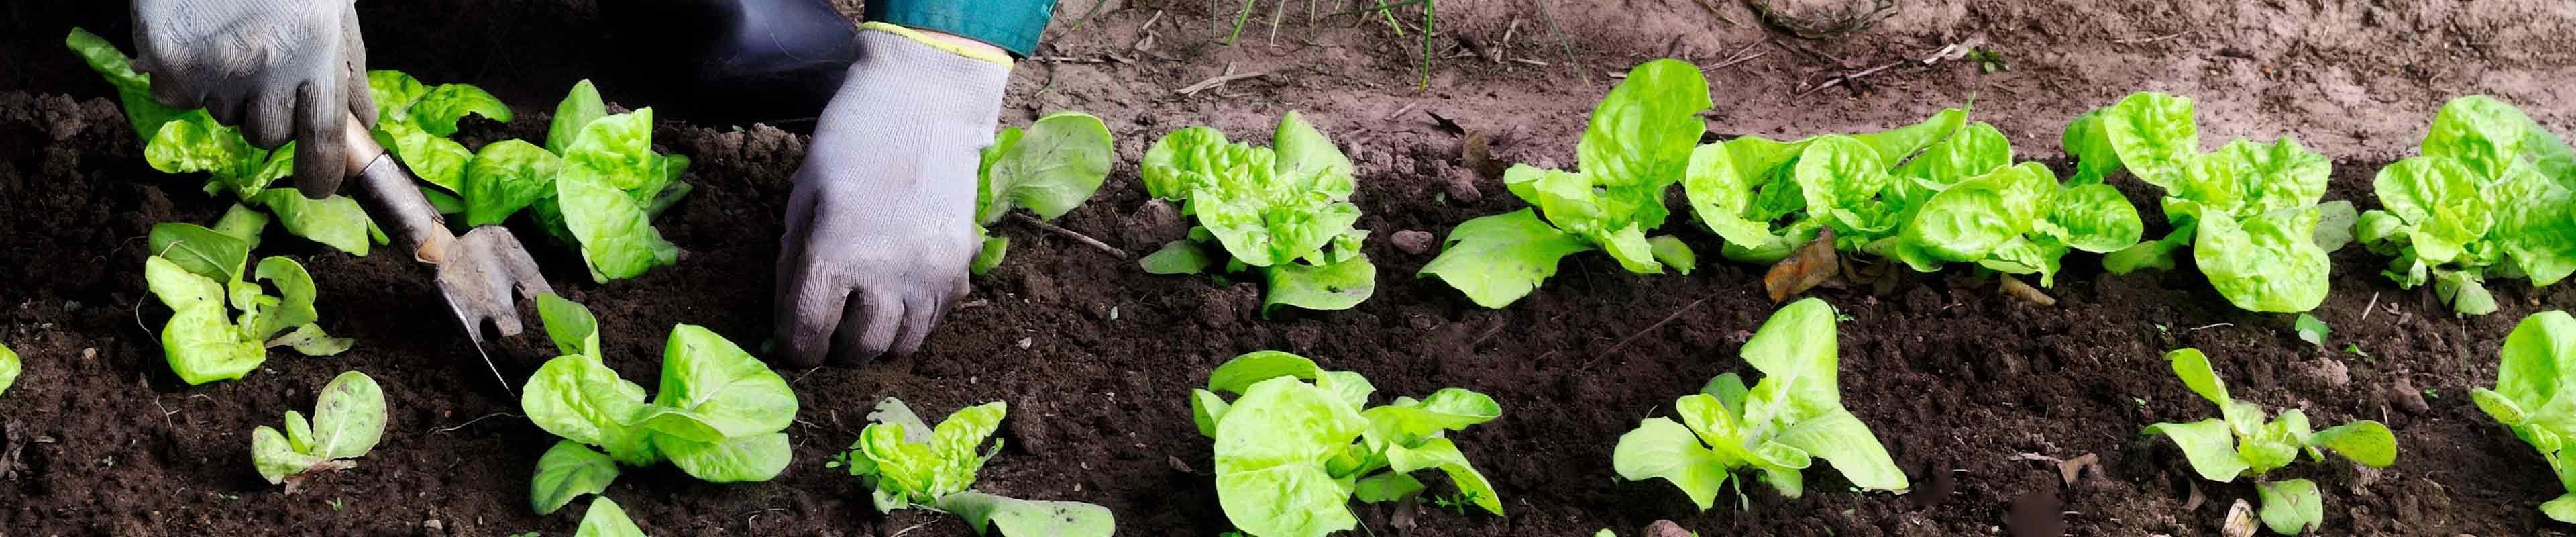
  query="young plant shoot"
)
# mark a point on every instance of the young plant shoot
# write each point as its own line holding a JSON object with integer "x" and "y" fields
{"x": 8, "y": 368}
{"x": 908, "y": 463}
{"x": 177, "y": 141}
{"x": 606, "y": 519}
{"x": 413, "y": 121}
{"x": 2535, "y": 396}
{"x": 2249, "y": 211}
{"x": 720, "y": 414}
{"x": 198, "y": 272}
{"x": 596, "y": 183}
{"x": 2487, "y": 198}
{"x": 2245, "y": 443}
{"x": 1636, "y": 145}
{"x": 1790, "y": 417}
{"x": 347, "y": 421}
{"x": 1283, "y": 211}
{"x": 1929, "y": 194}
{"x": 1050, "y": 168}
{"x": 1301, "y": 442}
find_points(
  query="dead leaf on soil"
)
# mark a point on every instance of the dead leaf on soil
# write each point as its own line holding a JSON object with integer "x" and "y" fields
{"x": 2014, "y": 288}
{"x": 2240, "y": 520}
{"x": 2193, "y": 503}
{"x": 2075, "y": 469}
{"x": 1811, "y": 265}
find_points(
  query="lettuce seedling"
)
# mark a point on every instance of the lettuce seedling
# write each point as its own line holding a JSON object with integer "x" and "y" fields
{"x": 1050, "y": 168}
{"x": 1936, "y": 192}
{"x": 1291, "y": 454}
{"x": 2535, "y": 396}
{"x": 1283, "y": 210}
{"x": 2488, "y": 198}
{"x": 1792, "y": 416}
{"x": 8, "y": 368}
{"x": 348, "y": 419}
{"x": 189, "y": 141}
{"x": 908, "y": 463}
{"x": 197, "y": 272}
{"x": 596, "y": 183}
{"x": 414, "y": 120}
{"x": 2250, "y": 211}
{"x": 720, "y": 414}
{"x": 606, "y": 519}
{"x": 2245, "y": 443}
{"x": 1634, "y": 148}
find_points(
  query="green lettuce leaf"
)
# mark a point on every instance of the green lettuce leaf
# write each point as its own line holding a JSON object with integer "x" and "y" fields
{"x": 1015, "y": 517}
{"x": 618, "y": 240}
{"x": 2268, "y": 263}
{"x": 605, "y": 519}
{"x": 567, "y": 471}
{"x": 507, "y": 176}
{"x": 1050, "y": 168}
{"x": 1496, "y": 260}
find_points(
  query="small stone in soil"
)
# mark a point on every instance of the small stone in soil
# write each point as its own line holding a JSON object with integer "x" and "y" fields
{"x": 1666, "y": 528}
{"x": 1461, "y": 186}
{"x": 2407, "y": 397}
{"x": 2330, "y": 371}
{"x": 1412, "y": 241}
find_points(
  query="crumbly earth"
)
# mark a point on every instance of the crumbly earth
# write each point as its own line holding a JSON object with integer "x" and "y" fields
{"x": 1973, "y": 392}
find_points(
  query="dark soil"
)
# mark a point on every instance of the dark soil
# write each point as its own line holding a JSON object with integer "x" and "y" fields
{"x": 1970, "y": 390}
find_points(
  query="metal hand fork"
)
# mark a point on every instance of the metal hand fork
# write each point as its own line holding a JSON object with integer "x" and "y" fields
{"x": 476, "y": 271}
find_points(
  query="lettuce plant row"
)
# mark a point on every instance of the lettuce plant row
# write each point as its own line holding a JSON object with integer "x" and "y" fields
{"x": 2493, "y": 195}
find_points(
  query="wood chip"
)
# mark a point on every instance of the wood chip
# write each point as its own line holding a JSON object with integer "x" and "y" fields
{"x": 1811, "y": 265}
{"x": 2013, "y": 287}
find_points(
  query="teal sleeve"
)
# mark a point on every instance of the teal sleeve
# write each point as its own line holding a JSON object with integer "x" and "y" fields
{"x": 1013, "y": 25}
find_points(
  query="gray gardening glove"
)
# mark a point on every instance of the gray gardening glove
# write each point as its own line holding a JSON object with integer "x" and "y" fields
{"x": 882, "y": 222}
{"x": 280, "y": 68}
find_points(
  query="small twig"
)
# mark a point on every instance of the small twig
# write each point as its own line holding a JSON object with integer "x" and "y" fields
{"x": 1737, "y": 60}
{"x": 1614, "y": 348}
{"x": 1399, "y": 112}
{"x": 1219, "y": 80}
{"x": 165, "y": 415}
{"x": 909, "y": 530}
{"x": 1562, "y": 43}
{"x": 2133, "y": 41}
{"x": 1845, "y": 79}
{"x": 2374, "y": 304}
{"x": 444, "y": 430}
{"x": 2210, "y": 325}
{"x": 1071, "y": 234}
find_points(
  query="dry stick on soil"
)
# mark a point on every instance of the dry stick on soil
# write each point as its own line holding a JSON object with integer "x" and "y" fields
{"x": 1738, "y": 57}
{"x": 2133, "y": 41}
{"x": 1071, "y": 234}
{"x": 444, "y": 430}
{"x": 1846, "y": 79}
{"x": 2374, "y": 304}
{"x": 1562, "y": 43}
{"x": 1614, "y": 348}
{"x": 1219, "y": 80}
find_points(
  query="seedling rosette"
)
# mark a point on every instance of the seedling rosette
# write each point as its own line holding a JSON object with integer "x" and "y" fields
{"x": 2244, "y": 443}
{"x": 1302, "y": 442}
{"x": 203, "y": 275}
{"x": 720, "y": 415}
{"x": 190, "y": 141}
{"x": 907, "y": 463}
{"x": 1791, "y": 417}
{"x": 1051, "y": 167}
{"x": 2490, "y": 197}
{"x": 596, "y": 184}
{"x": 2535, "y": 396}
{"x": 1283, "y": 211}
{"x": 2249, "y": 211}
{"x": 348, "y": 419}
{"x": 1635, "y": 147}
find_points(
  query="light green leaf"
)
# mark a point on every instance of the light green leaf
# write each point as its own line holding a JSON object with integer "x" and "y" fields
{"x": 1333, "y": 287}
{"x": 1306, "y": 155}
{"x": 989, "y": 255}
{"x": 295, "y": 309}
{"x": 569, "y": 470}
{"x": 1720, "y": 189}
{"x": 579, "y": 107}
{"x": 1840, "y": 438}
{"x": 242, "y": 223}
{"x": 2442, "y": 203}
{"x": 1976, "y": 149}
{"x": 1450, "y": 409}
{"x": 1894, "y": 146}
{"x": 2312, "y": 330}
{"x": 1796, "y": 351}
{"x": 2271, "y": 263}
{"x": 2208, "y": 444}
{"x": 580, "y": 399}
{"x": 2097, "y": 218}
{"x": 2464, "y": 291}
{"x": 200, "y": 251}
{"x": 2089, "y": 142}
{"x": 394, "y": 93}
{"x": 605, "y": 519}
{"x": 336, "y": 221}
{"x": 1239, "y": 374}
{"x": 617, "y": 239}
{"x": 2154, "y": 135}
{"x": 1183, "y": 160}
{"x": 2536, "y": 371}
{"x": 133, "y": 89}
{"x": 1643, "y": 132}
{"x": 758, "y": 457}
{"x": 1177, "y": 257}
{"x": 193, "y": 142}
{"x": 2562, "y": 509}
{"x": 2367, "y": 442}
{"x": 1271, "y": 451}
{"x": 504, "y": 177}
{"x": 1498, "y": 259}
{"x": 1670, "y": 251}
{"x": 1660, "y": 447}
{"x": 275, "y": 457}
{"x": 1386, "y": 487}
{"x": 1969, "y": 220}
{"x": 1050, "y": 168}
{"x": 2291, "y": 507}
{"x": 431, "y": 157}
{"x": 570, "y": 325}
{"x": 1028, "y": 518}
{"x": 438, "y": 111}
{"x": 2195, "y": 371}
{"x": 617, "y": 151}
{"x": 349, "y": 417}
{"x": 9, "y": 368}
{"x": 713, "y": 391}
{"x": 1443, "y": 454}
{"x": 2335, "y": 223}
{"x": 201, "y": 346}
{"x": 1206, "y": 408}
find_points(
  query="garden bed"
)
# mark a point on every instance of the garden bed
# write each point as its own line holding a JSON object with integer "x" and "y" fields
{"x": 1966, "y": 387}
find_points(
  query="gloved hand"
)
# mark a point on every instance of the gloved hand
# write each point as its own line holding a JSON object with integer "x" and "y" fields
{"x": 279, "y": 68}
{"x": 882, "y": 222}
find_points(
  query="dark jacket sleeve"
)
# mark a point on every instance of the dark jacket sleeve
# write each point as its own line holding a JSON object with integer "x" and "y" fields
{"x": 1013, "y": 25}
